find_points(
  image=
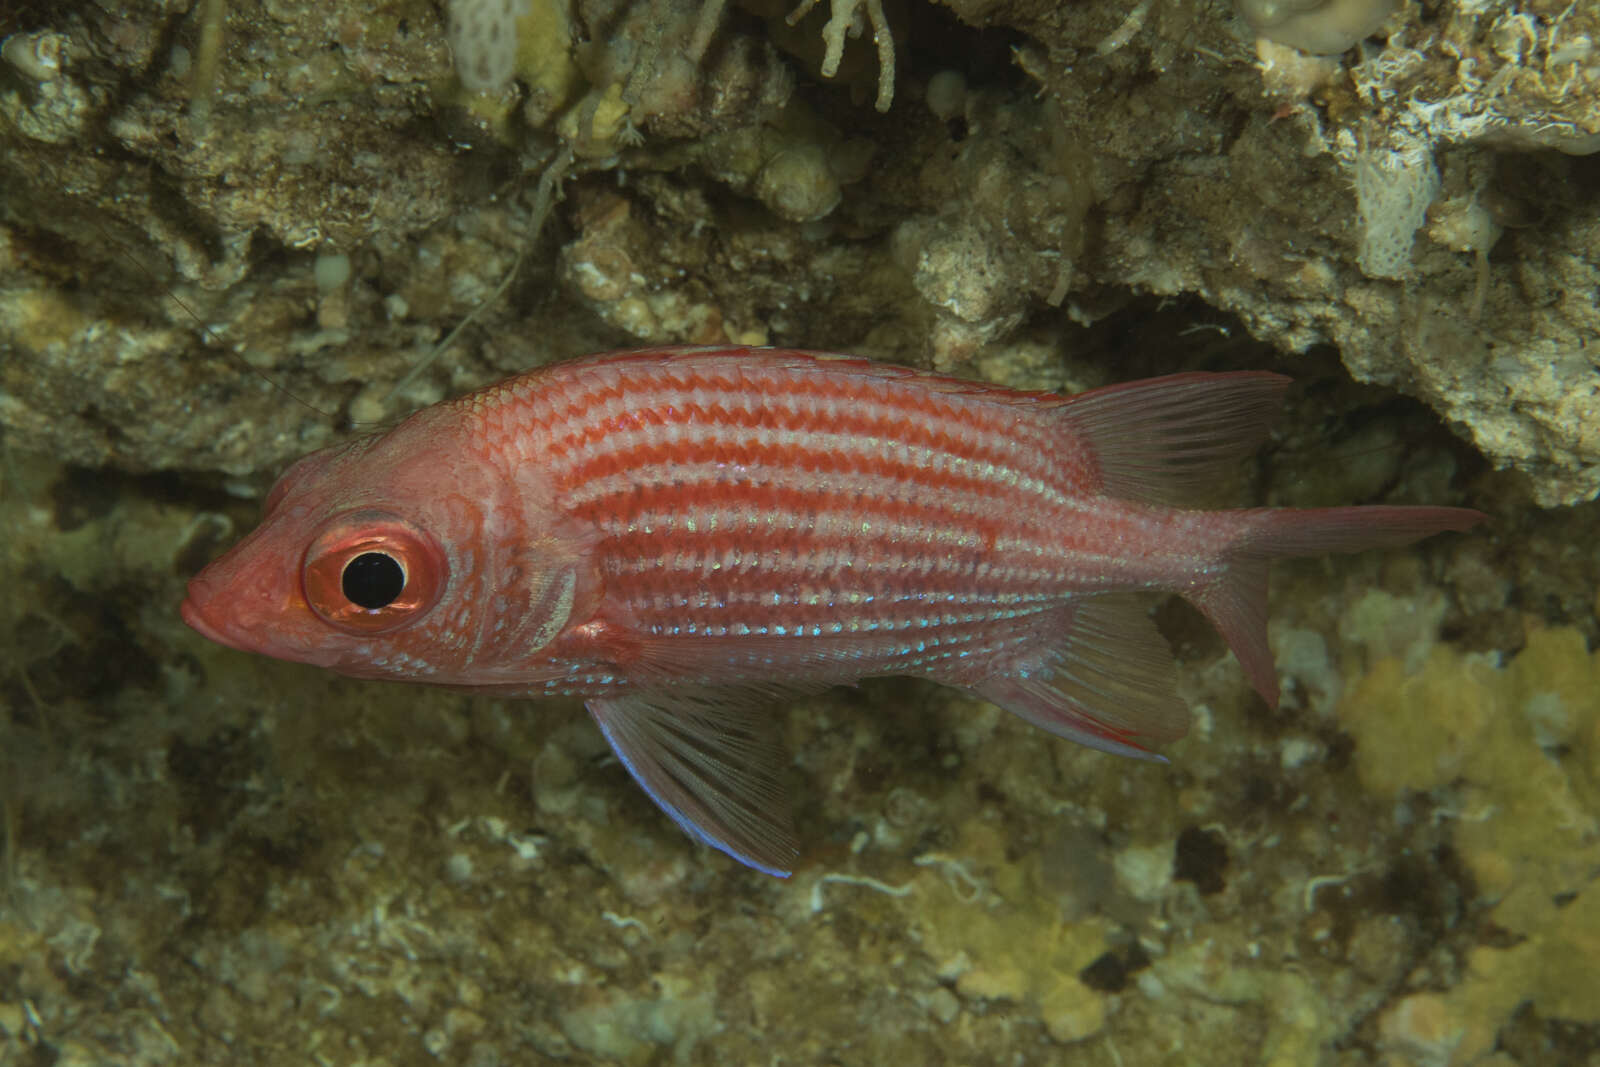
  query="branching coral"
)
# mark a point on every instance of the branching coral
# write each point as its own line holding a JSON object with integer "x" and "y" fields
{"x": 483, "y": 38}
{"x": 845, "y": 20}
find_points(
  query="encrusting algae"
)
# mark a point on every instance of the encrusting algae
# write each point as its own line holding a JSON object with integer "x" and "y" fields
{"x": 1511, "y": 756}
{"x": 213, "y": 858}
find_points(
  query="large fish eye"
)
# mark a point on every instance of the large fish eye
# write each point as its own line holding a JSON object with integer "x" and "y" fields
{"x": 373, "y": 580}
{"x": 369, "y": 572}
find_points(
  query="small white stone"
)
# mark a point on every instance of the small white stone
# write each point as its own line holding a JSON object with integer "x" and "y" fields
{"x": 37, "y": 55}
{"x": 947, "y": 94}
{"x": 943, "y": 1005}
{"x": 332, "y": 271}
{"x": 1297, "y": 752}
{"x": 1146, "y": 873}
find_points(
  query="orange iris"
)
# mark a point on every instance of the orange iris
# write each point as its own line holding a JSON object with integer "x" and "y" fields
{"x": 369, "y": 572}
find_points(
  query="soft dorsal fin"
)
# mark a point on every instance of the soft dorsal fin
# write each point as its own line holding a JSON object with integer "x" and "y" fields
{"x": 713, "y": 761}
{"x": 1166, "y": 440}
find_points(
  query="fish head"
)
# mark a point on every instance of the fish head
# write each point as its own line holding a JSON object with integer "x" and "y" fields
{"x": 406, "y": 555}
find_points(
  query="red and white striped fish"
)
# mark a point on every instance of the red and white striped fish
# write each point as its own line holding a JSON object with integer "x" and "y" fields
{"x": 674, "y": 535}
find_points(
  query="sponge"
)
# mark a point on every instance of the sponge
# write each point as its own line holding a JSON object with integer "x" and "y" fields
{"x": 483, "y": 40}
{"x": 1321, "y": 27}
{"x": 1393, "y": 190}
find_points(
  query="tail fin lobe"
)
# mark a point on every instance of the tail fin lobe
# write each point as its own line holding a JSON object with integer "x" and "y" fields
{"x": 1236, "y": 601}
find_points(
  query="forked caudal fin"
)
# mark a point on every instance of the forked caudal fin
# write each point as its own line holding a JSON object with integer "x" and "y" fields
{"x": 1236, "y": 601}
{"x": 1165, "y": 441}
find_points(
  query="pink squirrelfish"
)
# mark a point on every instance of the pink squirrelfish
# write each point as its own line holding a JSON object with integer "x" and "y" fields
{"x": 675, "y": 535}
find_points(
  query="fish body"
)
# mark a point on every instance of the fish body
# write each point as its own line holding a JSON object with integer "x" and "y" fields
{"x": 677, "y": 536}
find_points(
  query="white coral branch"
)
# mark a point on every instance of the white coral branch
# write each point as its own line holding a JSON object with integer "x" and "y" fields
{"x": 844, "y": 20}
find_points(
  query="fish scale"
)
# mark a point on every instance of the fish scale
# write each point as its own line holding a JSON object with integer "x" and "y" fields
{"x": 795, "y": 456}
{"x": 683, "y": 536}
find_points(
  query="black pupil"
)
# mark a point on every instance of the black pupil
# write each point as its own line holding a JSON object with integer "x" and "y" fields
{"x": 373, "y": 580}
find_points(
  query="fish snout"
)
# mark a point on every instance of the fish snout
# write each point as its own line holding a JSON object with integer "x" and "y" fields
{"x": 244, "y": 603}
{"x": 199, "y": 612}
{"x": 240, "y": 610}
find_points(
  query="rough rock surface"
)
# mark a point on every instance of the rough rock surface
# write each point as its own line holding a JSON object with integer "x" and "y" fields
{"x": 1092, "y": 150}
{"x": 210, "y": 858}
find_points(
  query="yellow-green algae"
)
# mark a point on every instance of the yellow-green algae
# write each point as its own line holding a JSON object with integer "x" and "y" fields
{"x": 1007, "y": 939}
{"x": 1514, "y": 752}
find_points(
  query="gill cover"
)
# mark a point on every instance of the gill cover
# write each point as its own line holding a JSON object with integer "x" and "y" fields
{"x": 371, "y": 572}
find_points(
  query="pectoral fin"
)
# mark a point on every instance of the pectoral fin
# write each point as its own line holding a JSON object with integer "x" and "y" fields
{"x": 714, "y": 763}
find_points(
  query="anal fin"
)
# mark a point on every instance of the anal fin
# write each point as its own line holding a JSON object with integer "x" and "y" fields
{"x": 1105, "y": 678}
{"x": 1236, "y": 604}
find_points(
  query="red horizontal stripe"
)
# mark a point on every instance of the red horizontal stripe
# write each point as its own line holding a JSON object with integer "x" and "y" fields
{"x": 950, "y": 424}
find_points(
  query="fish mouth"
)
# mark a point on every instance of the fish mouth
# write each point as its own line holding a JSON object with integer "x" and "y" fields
{"x": 194, "y": 615}
{"x": 199, "y": 611}
{"x": 221, "y": 613}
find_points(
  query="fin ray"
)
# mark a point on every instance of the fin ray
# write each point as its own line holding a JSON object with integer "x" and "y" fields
{"x": 1236, "y": 602}
{"x": 1165, "y": 440}
{"x": 713, "y": 761}
{"x": 1106, "y": 679}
